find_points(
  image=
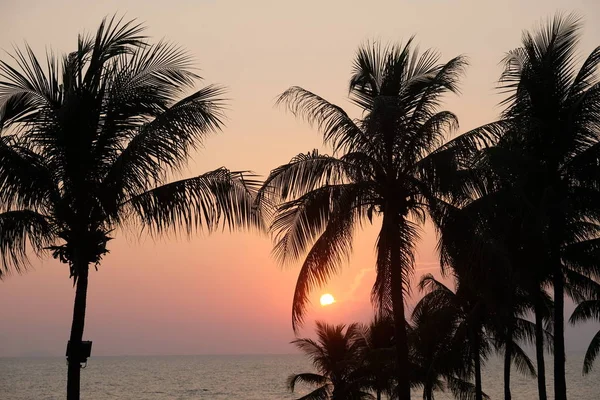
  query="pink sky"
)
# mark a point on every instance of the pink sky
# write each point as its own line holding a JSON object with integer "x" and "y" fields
{"x": 225, "y": 294}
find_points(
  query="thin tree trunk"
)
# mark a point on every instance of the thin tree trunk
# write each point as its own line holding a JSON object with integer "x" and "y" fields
{"x": 560, "y": 384}
{"x": 378, "y": 394}
{"x": 507, "y": 364}
{"x": 539, "y": 351}
{"x": 74, "y": 369}
{"x": 477, "y": 361}
{"x": 398, "y": 308}
{"x": 428, "y": 392}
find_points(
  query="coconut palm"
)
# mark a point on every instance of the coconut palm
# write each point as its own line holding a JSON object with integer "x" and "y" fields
{"x": 554, "y": 109}
{"x": 454, "y": 324}
{"x": 87, "y": 146}
{"x": 337, "y": 356}
{"x": 392, "y": 162}
{"x": 379, "y": 363}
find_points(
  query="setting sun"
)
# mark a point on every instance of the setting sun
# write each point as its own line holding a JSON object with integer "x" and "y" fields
{"x": 327, "y": 299}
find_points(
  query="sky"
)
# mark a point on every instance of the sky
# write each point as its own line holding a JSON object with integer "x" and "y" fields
{"x": 225, "y": 293}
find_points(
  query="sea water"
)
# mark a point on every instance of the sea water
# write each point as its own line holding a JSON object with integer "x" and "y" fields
{"x": 248, "y": 377}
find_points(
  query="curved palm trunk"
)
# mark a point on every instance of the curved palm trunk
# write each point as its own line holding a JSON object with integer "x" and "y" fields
{"x": 393, "y": 230}
{"x": 74, "y": 369}
{"x": 507, "y": 363}
{"x": 560, "y": 384}
{"x": 539, "y": 351}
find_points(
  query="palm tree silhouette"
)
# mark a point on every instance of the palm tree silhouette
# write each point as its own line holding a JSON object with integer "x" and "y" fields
{"x": 379, "y": 350}
{"x": 553, "y": 110}
{"x": 337, "y": 357}
{"x": 454, "y": 324}
{"x": 88, "y": 145}
{"x": 392, "y": 162}
{"x": 487, "y": 247}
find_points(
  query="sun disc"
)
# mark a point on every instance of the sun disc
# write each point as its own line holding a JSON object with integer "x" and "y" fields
{"x": 327, "y": 299}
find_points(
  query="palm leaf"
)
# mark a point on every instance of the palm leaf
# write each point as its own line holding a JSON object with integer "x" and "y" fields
{"x": 217, "y": 198}
{"x": 19, "y": 229}
{"x": 591, "y": 353}
{"x": 306, "y": 378}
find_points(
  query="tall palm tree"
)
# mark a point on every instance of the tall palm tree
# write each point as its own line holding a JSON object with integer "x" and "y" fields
{"x": 88, "y": 145}
{"x": 554, "y": 109}
{"x": 337, "y": 356}
{"x": 390, "y": 162}
{"x": 487, "y": 245}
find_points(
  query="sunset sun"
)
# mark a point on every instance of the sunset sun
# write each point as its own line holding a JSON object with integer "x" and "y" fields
{"x": 327, "y": 299}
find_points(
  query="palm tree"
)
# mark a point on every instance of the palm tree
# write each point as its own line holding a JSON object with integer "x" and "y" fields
{"x": 488, "y": 247}
{"x": 379, "y": 363}
{"x": 554, "y": 110}
{"x": 453, "y": 325}
{"x": 391, "y": 162}
{"x": 337, "y": 357}
{"x": 88, "y": 145}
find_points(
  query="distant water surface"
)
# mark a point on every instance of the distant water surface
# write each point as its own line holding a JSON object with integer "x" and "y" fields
{"x": 248, "y": 377}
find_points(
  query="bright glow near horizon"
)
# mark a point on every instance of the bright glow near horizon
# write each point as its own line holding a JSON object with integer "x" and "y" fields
{"x": 327, "y": 299}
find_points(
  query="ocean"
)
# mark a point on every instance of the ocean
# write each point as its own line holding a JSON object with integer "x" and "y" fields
{"x": 248, "y": 377}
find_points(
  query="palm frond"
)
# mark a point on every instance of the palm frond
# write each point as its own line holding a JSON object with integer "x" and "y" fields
{"x": 298, "y": 223}
{"x": 306, "y": 378}
{"x": 591, "y": 353}
{"x": 522, "y": 361}
{"x": 113, "y": 39}
{"x": 163, "y": 144}
{"x": 25, "y": 179}
{"x": 326, "y": 256}
{"x": 337, "y": 127}
{"x": 20, "y": 228}
{"x": 142, "y": 86}
{"x": 304, "y": 173}
{"x": 217, "y": 198}
{"x": 586, "y": 310}
{"x": 461, "y": 389}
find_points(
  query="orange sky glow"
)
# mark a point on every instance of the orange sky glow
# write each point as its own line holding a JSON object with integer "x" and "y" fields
{"x": 225, "y": 293}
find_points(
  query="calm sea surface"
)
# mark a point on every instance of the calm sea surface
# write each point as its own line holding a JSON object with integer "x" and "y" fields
{"x": 219, "y": 377}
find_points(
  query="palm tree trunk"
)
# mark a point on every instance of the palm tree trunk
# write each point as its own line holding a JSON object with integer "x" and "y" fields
{"x": 428, "y": 392}
{"x": 398, "y": 308}
{"x": 74, "y": 369}
{"x": 378, "y": 394}
{"x": 560, "y": 384}
{"x": 507, "y": 364}
{"x": 539, "y": 351}
{"x": 477, "y": 362}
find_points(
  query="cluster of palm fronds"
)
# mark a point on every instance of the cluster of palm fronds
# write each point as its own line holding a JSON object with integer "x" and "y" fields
{"x": 516, "y": 202}
{"x": 358, "y": 361}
